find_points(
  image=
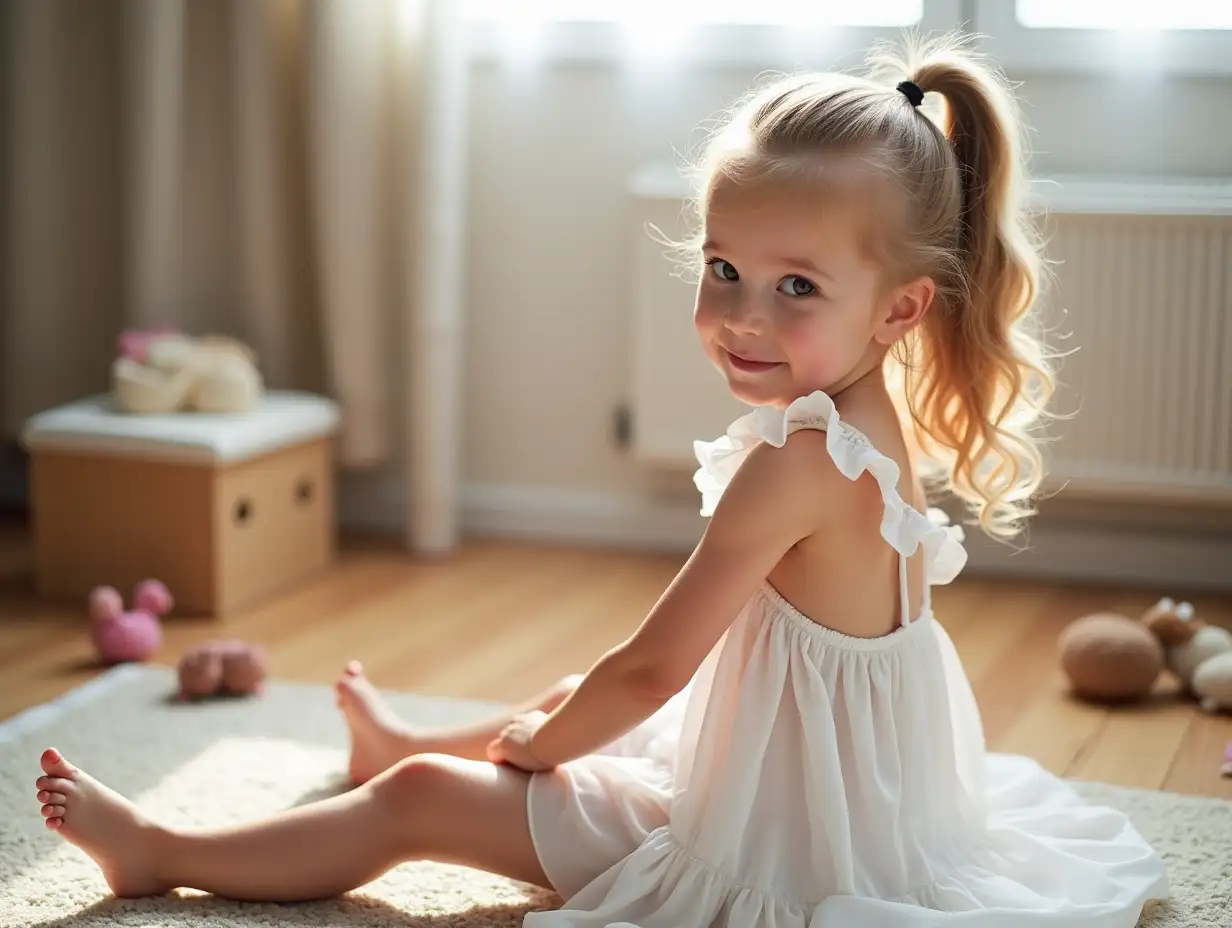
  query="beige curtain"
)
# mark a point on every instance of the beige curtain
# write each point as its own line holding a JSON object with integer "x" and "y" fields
{"x": 284, "y": 171}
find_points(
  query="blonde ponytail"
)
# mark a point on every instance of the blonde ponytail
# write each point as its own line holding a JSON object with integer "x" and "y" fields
{"x": 981, "y": 380}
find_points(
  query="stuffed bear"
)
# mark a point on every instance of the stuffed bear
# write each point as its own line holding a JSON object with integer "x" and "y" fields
{"x": 1112, "y": 658}
{"x": 163, "y": 370}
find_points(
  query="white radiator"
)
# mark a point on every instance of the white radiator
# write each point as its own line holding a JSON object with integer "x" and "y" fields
{"x": 1142, "y": 290}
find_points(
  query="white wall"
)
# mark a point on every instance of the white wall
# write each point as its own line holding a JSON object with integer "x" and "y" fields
{"x": 549, "y": 236}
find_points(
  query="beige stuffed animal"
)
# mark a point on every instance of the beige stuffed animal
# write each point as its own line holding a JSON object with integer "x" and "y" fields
{"x": 1199, "y": 655}
{"x": 165, "y": 371}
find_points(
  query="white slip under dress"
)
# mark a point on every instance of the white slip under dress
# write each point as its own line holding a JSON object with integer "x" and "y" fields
{"x": 809, "y": 778}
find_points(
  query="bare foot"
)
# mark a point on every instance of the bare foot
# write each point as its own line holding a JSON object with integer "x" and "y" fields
{"x": 102, "y": 823}
{"x": 379, "y": 739}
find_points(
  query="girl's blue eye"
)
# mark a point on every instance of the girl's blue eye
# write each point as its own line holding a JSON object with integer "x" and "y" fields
{"x": 723, "y": 270}
{"x": 797, "y": 286}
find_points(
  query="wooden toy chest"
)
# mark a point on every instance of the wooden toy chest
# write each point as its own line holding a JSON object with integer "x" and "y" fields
{"x": 224, "y": 509}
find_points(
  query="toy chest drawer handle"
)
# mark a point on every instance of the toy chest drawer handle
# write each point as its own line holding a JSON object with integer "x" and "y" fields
{"x": 242, "y": 512}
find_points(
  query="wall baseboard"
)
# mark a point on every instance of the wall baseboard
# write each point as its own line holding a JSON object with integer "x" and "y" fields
{"x": 1160, "y": 558}
{"x": 1163, "y": 558}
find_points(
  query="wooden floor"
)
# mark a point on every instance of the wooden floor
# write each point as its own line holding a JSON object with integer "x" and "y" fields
{"x": 502, "y": 620}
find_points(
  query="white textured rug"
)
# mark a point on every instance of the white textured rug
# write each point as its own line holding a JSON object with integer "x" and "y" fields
{"x": 229, "y": 761}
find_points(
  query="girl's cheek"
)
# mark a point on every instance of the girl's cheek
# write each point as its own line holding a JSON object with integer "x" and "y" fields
{"x": 707, "y": 314}
{"x": 807, "y": 348}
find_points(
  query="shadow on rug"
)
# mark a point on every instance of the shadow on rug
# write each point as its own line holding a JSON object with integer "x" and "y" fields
{"x": 355, "y": 911}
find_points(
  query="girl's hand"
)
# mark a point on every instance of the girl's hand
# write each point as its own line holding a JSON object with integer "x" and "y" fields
{"x": 513, "y": 745}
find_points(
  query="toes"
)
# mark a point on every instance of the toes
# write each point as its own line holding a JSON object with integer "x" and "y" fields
{"x": 54, "y": 823}
{"x": 351, "y": 674}
{"x": 53, "y": 811}
{"x": 55, "y": 765}
{"x": 54, "y": 784}
{"x": 57, "y": 799}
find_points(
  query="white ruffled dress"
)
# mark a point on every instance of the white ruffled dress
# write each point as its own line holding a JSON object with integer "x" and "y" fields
{"x": 809, "y": 778}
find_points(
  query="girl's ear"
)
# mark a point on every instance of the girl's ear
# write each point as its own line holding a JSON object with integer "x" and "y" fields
{"x": 908, "y": 304}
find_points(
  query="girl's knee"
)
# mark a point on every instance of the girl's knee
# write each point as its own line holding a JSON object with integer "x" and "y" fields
{"x": 414, "y": 779}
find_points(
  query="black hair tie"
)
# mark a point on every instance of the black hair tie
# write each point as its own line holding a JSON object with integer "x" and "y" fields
{"x": 911, "y": 90}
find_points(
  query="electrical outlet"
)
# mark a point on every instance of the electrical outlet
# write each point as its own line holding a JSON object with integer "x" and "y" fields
{"x": 622, "y": 426}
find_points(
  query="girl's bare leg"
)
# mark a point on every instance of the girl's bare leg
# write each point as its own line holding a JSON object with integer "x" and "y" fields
{"x": 427, "y": 807}
{"x": 380, "y": 739}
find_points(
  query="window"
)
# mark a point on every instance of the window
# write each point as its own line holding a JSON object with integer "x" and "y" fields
{"x": 1023, "y": 36}
{"x": 743, "y": 12}
{"x": 771, "y": 34}
{"x": 1100, "y": 14}
{"x": 1143, "y": 36}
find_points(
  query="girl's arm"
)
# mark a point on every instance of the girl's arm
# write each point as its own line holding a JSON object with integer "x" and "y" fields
{"x": 772, "y": 503}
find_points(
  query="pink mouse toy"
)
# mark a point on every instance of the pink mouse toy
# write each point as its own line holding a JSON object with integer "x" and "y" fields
{"x": 121, "y": 636}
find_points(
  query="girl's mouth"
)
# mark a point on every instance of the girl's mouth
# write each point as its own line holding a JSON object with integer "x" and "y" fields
{"x": 748, "y": 365}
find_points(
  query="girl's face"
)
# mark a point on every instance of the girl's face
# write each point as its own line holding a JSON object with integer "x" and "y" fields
{"x": 789, "y": 299}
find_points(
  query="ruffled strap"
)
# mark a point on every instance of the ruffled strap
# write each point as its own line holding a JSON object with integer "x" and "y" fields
{"x": 903, "y": 526}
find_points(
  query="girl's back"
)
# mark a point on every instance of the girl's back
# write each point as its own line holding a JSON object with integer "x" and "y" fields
{"x": 849, "y": 580}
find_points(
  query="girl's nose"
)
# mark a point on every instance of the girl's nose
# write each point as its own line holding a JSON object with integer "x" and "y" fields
{"x": 745, "y": 316}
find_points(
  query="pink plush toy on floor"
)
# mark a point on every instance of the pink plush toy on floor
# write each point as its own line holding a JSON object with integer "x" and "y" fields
{"x": 121, "y": 636}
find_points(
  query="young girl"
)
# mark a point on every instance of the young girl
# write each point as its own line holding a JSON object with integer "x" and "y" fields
{"x": 788, "y": 739}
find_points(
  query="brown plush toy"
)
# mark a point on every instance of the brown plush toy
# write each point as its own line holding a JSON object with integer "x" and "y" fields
{"x": 231, "y": 667}
{"x": 1112, "y": 658}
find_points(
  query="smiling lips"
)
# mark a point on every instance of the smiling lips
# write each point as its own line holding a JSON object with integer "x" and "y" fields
{"x": 748, "y": 365}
